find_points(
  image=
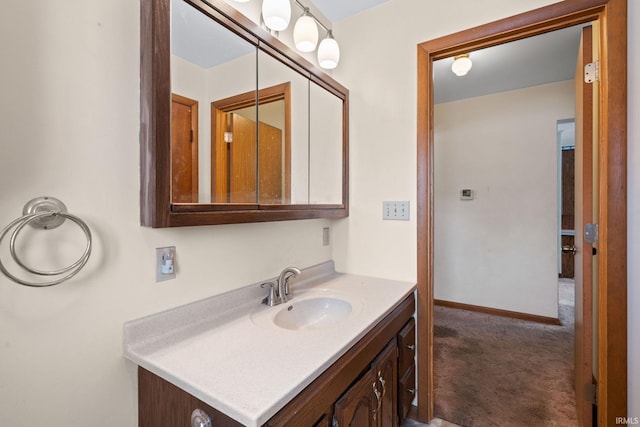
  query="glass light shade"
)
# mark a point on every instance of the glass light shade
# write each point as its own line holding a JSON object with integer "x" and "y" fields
{"x": 276, "y": 14}
{"x": 461, "y": 65}
{"x": 328, "y": 53}
{"x": 305, "y": 34}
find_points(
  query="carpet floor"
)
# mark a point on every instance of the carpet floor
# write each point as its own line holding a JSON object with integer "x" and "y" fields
{"x": 497, "y": 371}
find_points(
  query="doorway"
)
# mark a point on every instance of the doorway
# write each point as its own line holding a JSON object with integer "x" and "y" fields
{"x": 612, "y": 349}
{"x": 495, "y": 250}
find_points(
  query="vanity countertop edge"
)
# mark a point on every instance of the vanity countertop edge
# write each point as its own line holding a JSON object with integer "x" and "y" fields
{"x": 213, "y": 350}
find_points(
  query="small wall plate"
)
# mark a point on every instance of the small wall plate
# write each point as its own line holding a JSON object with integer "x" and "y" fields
{"x": 466, "y": 194}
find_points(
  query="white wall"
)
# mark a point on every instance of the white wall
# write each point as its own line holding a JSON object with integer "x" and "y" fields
{"x": 378, "y": 65}
{"x": 499, "y": 250}
{"x": 69, "y": 128}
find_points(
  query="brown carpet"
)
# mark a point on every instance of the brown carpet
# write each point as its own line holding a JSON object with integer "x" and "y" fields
{"x": 497, "y": 371}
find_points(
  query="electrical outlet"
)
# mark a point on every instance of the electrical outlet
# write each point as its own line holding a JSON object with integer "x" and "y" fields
{"x": 395, "y": 210}
{"x": 165, "y": 263}
{"x": 326, "y": 236}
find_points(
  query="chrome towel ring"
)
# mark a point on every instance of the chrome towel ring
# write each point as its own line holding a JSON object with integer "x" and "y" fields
{"x": 44, "y": 213}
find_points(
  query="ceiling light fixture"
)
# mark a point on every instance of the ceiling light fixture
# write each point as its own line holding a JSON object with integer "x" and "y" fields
{"x": 305, "y": 33}
{"x": 461, "y": 64}
{"x": 276, "y": 14}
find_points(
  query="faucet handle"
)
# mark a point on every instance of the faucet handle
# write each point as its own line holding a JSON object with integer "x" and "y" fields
{"x": 270, "y": 299}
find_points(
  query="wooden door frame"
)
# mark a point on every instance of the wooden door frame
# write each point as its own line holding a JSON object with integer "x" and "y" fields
{"x": 612, "y": 218}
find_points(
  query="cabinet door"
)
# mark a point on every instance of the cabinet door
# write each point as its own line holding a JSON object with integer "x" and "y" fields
{"x": 356, "y": 408}
{"x": 162, "y": 404}
{"x": 385, "y": 368}
{"x": 406, "y": 393}
{"x": 407, "y": 347}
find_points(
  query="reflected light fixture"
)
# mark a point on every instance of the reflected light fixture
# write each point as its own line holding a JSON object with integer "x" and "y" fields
{"x": 461, "y": 64}
{"x": 276, "y": 14}
{"x": 305, "y": 33}
{"x": 328, "y": 52}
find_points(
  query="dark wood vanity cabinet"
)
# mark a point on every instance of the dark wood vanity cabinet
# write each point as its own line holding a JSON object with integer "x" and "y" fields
{"x": 162, "y": 404}
{"x": 365, "y": 387}
{"x": 371, "y": 401}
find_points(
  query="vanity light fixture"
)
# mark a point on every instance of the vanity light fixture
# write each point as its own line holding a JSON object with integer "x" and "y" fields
{"x": 276, "y": 14}
{"x": 461, "y": 64}
{"x": 305, "y": 32}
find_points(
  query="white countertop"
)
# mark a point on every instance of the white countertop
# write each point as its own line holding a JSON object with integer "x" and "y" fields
{"x": 226, "y": 352}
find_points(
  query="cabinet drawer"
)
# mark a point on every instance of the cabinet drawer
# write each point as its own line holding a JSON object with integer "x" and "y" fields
{"x": 406, "y": 346}
{"x": 406, "y": 392}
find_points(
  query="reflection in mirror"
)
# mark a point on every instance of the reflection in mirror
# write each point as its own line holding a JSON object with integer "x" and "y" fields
{"x": 325, "y": 146}
{"x": 208, "y": 62}
{"x": 295, "y": 163}
{"x": 252, "y": 162}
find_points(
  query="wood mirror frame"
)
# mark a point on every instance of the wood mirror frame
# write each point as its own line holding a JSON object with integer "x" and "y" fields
{"x": 156, "y": 208}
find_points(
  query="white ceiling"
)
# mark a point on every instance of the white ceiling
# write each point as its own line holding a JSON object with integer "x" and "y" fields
{"x": 534, "y": 61}
{"x": 337, "y": 10}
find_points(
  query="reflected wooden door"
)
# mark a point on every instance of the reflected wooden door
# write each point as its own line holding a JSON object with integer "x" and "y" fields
{"x": 242, "y": 161}
{"x": 270, "y": 170}
{"x": 184, "y": 149}
{"x": 250, "y": 174}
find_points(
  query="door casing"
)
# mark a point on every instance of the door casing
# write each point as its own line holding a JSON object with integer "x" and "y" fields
{"x": 612, "y": 256}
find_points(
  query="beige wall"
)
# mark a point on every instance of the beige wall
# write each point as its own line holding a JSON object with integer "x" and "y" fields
{"x": 69, "y": 128}
{"x": 504, "y": 147}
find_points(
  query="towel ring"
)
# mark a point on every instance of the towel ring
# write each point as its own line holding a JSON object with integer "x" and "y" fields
{"x": 45, "y": 213}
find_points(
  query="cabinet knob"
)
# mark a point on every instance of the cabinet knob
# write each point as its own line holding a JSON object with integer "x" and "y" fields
{"x": 411, "y": 347}
{"x": 199, "y": 418}
{"x": 411, "y": 390}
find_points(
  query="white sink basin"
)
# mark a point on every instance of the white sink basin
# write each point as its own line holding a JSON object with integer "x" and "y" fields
{"x": 313, "y": 313}
{"x": 309, "y": 311}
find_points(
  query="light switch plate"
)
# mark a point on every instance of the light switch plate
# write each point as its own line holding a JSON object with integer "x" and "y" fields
{"x": 395, "y": 210}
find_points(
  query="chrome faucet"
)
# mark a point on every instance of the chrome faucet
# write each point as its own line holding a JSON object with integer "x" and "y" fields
{"x": 283, "y": 282}
{"x": 279, "y": 290}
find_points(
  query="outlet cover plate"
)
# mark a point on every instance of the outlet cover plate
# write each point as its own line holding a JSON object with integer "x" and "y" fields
{"x": 398, "y": 210}
{"x": 161, "y": 253}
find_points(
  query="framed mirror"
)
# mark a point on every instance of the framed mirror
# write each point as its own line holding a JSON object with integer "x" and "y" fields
{"x": 235, "y": 126}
